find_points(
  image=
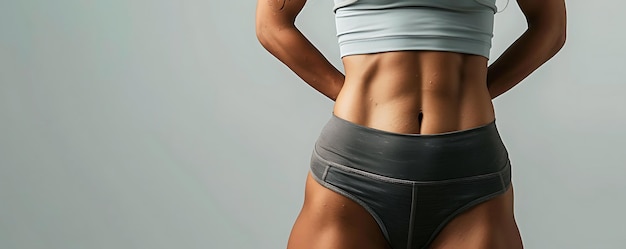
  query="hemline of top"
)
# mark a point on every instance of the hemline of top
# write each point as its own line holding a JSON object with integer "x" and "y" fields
{"x": 424, "y": 43}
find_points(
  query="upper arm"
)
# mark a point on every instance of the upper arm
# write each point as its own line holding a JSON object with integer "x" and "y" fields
{"x": 276, "y": 14}
{"x": 544, "y": 13}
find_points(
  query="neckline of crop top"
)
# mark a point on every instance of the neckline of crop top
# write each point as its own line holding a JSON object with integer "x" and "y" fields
{"x": 373, "y": 26}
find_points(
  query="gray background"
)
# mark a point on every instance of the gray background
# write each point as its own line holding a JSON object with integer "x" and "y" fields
{"x": 164, "y": 124}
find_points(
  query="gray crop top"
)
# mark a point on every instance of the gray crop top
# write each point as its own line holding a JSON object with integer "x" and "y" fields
{"x": 371, "y": 26}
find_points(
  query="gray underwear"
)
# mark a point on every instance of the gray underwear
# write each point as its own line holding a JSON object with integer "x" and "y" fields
{"x": 411, "y": 184}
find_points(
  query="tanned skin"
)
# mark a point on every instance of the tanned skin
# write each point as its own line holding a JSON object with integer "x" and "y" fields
{"x": 417, "y": 92}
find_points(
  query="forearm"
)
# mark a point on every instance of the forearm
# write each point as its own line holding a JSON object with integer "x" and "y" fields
{"x": 531, "y": 50}
{"x": 292, "y": 48}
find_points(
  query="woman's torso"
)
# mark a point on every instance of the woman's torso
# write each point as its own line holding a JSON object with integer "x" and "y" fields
{"x": 414, "y": 68}
{"x": 417, "y": 92}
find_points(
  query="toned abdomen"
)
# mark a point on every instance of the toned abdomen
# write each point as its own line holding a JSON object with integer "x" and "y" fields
{"x": 417, "y": 92}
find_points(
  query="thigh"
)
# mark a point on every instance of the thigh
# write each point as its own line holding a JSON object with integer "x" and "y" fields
{"x": 331, "y": 221}
{"x": 489, "y": 225}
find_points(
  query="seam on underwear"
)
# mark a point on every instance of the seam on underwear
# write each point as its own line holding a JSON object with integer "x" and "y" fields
{"x": 412, "y": 216}
{"x": 406, "y": 182}
{"x": 502, "y": 180}
{"x": 361, "y": 172}
{"x": 461, "y": 210}
{"x": 325, "y": 172}
{"x": 379, "y": 221}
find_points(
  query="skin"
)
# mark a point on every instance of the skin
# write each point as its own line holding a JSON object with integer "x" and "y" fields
{"x": 419, "y": 92}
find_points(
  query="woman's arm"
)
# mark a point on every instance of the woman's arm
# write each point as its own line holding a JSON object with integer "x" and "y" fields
{"x": 544, "y": 37}
{"x": 276, "y": 30}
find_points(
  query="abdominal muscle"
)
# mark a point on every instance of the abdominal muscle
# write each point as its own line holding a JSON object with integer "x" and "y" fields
{"x": 415, "y": 92}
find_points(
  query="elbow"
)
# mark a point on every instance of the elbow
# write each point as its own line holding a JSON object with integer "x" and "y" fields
{"x": 267, "y": 42}
{"x": 559, "y": 39}
{"x": 562, "y": 38}
{"x": 261, "y": 33}
{"x": 266, "y": 35}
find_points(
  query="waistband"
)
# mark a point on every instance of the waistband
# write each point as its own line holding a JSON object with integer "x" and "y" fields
{"x": 416, "y": 157}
